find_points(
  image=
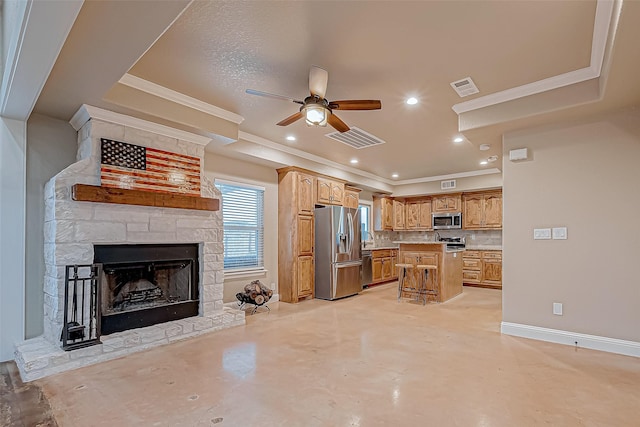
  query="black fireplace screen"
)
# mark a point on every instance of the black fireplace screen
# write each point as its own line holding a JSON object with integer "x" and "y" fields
{"x": 142, "y": 285}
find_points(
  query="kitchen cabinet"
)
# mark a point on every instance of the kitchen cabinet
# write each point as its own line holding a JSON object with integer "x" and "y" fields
{"x": 329, "y": 192}
{"x": 382, "y": 213}
{"x": 398, "y": 214}
{"x": 482, "y": 268}
{"x": 383, "y": 265}
{"x": 418, "y": 214}
{"x": 351, "y": 197}
{"x": 482, "y": 210}
{"x": 298, "y": 192}
{"x": 446, "y": 203}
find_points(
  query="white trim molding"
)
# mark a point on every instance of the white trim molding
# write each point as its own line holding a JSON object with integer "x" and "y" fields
{"x": 87, "y": 112}
{"x": 602, "y": 21}
{"x": 179, "y": 98}
{"x": 593, "y": 342}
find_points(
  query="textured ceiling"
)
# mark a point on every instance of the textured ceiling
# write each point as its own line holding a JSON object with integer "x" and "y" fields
{"x": 385, "y": 50}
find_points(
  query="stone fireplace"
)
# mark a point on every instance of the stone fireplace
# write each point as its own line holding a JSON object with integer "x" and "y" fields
{"x": 162, "y": 268}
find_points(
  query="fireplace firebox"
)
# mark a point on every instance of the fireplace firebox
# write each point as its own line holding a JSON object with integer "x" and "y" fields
{"x": 142, "y": 285}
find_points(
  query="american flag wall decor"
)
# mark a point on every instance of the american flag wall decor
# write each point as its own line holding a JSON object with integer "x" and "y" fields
{"x": 135, "y": 167}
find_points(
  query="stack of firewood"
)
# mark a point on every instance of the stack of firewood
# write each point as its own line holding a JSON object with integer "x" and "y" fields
{"x": 255, "y": 293}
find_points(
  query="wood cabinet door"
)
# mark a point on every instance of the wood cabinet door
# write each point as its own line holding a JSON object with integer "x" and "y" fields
{"x": 398, "y": 215}
{"x": 351, "y": 199}
{"x": 394, "y": 261}
{"x": 337, "y": 193}
{"x": 424, "y": 218}
{"x": 454, "y": 203}
{"x": 387, "y": 214}
{"x": 492, "y": 271}
{"x": 376, "y": 270}
{"x": 305, "y": 275}
{"x": 472, "y": 213}
{"x": 412, "y": 215}
{"x": 305, "y": 235}
{"x": 305, "y": 194}
{"x": 387, "y": 268}
{"x": 493, "y": 211}
{"x": 471, "y": 264}
{"x": 324, "y": 190}
{"x": 439, "y": 204}
{"x": 471, "y": 276}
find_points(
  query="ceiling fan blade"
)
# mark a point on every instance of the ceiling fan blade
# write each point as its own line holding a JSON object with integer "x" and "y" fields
{"x": 356, "y": 104}
{"x": 292, "y": 118}
{"x": 338, "y": 124}
{"x": 271, "y": 95}
{"x": 318, "y": 79}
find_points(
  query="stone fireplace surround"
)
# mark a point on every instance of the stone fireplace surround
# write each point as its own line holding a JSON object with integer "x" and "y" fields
{"x": 72, "y": 228}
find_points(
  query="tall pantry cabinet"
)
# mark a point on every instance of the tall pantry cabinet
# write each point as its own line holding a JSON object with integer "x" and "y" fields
{"x": 296, "y": 239}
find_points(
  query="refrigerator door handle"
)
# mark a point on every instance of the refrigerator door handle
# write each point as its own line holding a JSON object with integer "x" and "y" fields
{"x": 351, "y": 231}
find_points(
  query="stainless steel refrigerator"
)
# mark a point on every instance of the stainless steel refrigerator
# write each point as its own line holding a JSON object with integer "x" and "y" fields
{"x": 338, "y": 262}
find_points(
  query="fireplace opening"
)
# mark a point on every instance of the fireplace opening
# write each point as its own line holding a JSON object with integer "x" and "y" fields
{"x": 142, "y": 285}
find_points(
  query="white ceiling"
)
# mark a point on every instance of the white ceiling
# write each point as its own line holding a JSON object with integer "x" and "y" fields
{"x": 214, "y": 51}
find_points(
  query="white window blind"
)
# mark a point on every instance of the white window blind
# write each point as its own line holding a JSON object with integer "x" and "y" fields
{"x": 243, "y": 223}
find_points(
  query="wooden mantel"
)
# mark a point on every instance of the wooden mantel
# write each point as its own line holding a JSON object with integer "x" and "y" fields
{"x": 92, "y": 193}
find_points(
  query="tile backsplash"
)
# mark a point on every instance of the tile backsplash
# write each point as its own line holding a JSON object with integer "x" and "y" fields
{"x": 474, "y": 237}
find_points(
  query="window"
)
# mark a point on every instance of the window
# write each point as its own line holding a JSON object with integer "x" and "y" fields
{"x": 365, "y": 223}
{"x": 243, "y": 223}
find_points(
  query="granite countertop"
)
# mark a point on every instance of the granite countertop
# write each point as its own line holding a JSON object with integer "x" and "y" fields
{"x": 375, "y": 248}
{"x": 419, "y": 242}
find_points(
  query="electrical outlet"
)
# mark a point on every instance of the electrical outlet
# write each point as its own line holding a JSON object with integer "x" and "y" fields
{"x": 557, "y": 308}
{"x": 541, "y": 233}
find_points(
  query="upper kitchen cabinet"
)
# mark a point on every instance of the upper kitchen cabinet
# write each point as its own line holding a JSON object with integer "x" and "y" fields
{"x": 447, "y": 203}
{"x": 329, "y": 192}
{"x": 351, "y": 197}
{"x": 398, "y": 215}
{"x": 382, "y": 213}
{"x": 482, "y": 210}
{"x": 418, "y": 214}
{"x": 304, "y": 192}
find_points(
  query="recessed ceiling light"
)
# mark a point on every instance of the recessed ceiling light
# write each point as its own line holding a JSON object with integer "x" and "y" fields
{"x": 484, "y": 162}
{"x": 458, "y": 139}
{"x": 291, "y": 138}
{"x": 484, "y": 147}
{"x": 395, "y": 175}
{"x": 354, "y": 161}
{"x": 412, "y": 101}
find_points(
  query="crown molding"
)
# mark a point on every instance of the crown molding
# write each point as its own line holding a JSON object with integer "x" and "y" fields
{"x": 602, "y": 21}
{"x": 88, "y": 112}
{"x": 312, "y": 157}
{"x": 179, "y": 98}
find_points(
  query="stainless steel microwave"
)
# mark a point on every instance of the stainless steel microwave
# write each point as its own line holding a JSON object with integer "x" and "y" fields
{"x": 446, "y": 221}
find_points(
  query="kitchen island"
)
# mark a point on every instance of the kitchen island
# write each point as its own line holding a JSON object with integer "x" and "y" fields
{"x": 448, "y": 279}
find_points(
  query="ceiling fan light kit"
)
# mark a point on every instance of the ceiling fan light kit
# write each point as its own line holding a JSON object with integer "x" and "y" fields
{"x": 316, "y": 110}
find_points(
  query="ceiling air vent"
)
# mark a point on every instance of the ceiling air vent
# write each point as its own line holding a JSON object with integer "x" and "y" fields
{"x": 448, "y": 185}
{"x": 465, "y": 87}
{"x": 356, "y": 138}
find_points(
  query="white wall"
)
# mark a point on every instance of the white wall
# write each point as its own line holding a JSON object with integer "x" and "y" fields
{"x": 583, "y": 176}
{"x": 12, "y": 228}
{"x": 51, "y": 146}
{"x": 220, "y": 167}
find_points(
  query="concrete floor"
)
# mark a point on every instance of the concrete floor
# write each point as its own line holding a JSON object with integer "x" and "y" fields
{"x": 362, "y": 361}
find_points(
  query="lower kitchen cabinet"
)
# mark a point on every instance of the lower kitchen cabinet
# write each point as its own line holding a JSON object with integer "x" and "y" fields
{"x": 482, "y": 268}
{"x": 383, "y": 265}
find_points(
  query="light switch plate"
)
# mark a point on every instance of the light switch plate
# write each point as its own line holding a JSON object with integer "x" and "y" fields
{"x": 541, "y": 233}
{"x": 559, "y": 233}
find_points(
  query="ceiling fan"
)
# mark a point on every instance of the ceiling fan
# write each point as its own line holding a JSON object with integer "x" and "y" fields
{"x": 316, "y": 110}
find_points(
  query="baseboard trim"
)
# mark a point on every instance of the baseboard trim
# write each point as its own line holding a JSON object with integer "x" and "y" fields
{"x": 594, "y": 342}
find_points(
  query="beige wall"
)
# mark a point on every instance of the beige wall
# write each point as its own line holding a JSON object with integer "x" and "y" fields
{"x": 219, "y": 167}
{"x": 584, "y": 176}
{"x": 51, "y": 146}
{"x": 480, "y": 182}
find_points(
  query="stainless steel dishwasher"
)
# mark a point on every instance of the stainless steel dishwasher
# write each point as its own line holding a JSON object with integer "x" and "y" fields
{"x": 366, "y": 268}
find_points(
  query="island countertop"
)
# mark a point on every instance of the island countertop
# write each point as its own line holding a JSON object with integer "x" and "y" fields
{"x": 449, "y": 273}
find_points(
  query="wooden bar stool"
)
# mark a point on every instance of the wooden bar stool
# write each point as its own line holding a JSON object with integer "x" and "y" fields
{"x": 425, "y": 289}
{"x": 407, "y": 281}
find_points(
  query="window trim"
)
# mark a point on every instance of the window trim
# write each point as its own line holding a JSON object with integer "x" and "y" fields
{"x": 370, "y": 219}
